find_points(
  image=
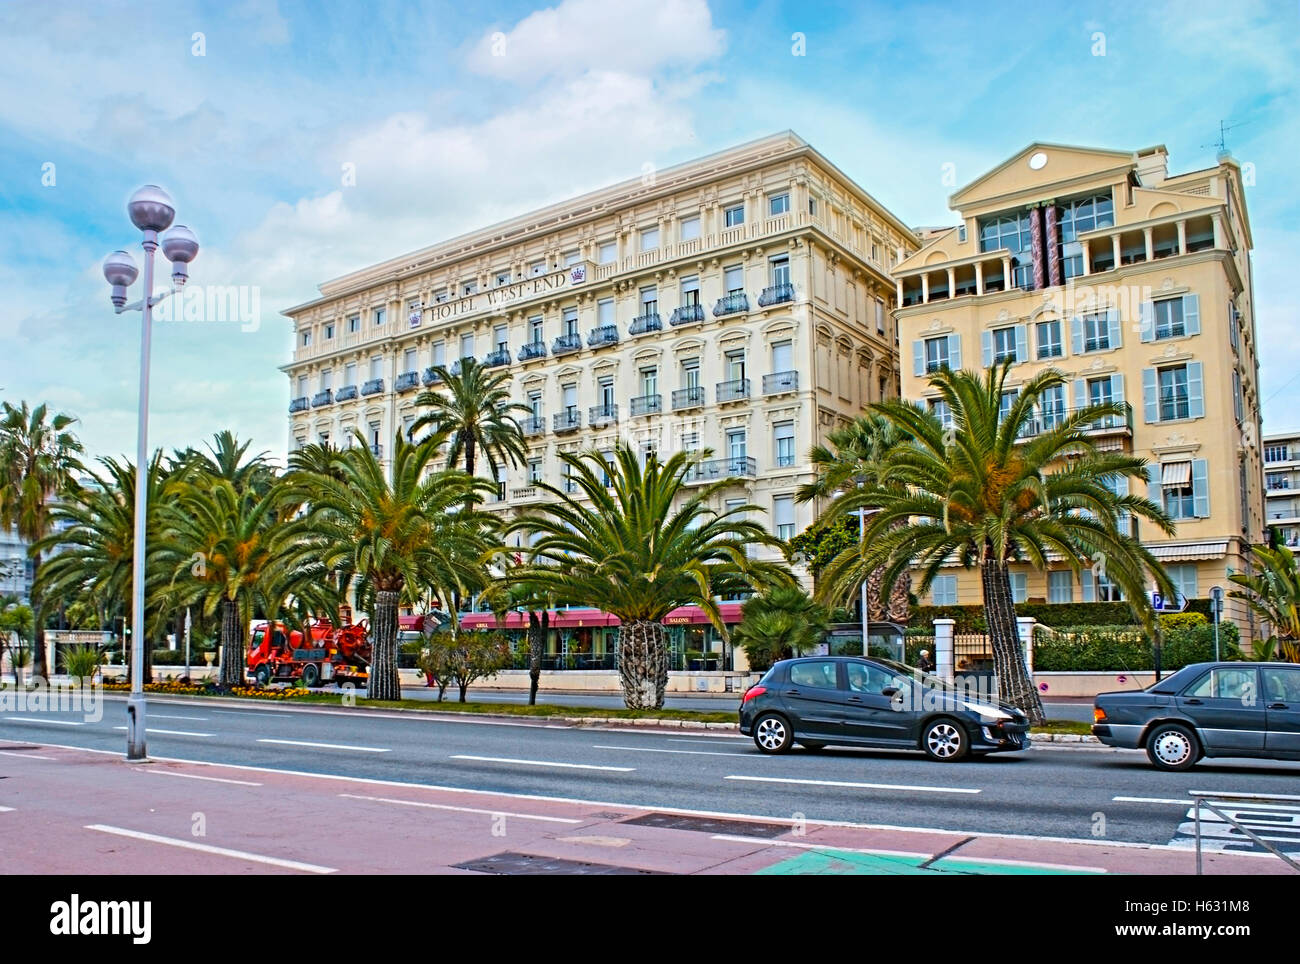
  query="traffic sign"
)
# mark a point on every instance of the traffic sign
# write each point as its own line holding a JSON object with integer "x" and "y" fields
{"x": 1168, "y": 604}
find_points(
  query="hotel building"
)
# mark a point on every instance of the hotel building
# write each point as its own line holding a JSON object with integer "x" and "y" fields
{"x": 1137, "y": 284}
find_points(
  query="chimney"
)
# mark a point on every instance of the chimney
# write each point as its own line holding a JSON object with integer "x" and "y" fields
{"x": 1152, "y": 166}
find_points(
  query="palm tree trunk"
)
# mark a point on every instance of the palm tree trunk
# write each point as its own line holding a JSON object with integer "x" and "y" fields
{"x": 469, "y": 455}
{"x": 232, "y": 645}
{"x": 38, "y": 657}
{"x": 900, "y": 603}
{"x": 1014, "y": 683}
{"x": 384, "y": 681}
{"x": 643, "y": 664}
{"x": 537, "y": 630}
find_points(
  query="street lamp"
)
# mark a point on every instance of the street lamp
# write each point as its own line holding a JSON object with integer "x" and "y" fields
{"x": 151, "y": 211}
{"x": 866, "y": 620}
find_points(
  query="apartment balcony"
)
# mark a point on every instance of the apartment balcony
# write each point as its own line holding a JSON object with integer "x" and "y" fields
{"x": 495, "y": 359}
{"x": 644, "y": 323}
{"x": 778, "y": 382}
{"x": 569, "y": 420}
{"x": 1106, "y": 425}
{"x": 645, "y": 405}
{"x": 377, "y": 450}
{"x": 692, "y": 397}
{"x": 431, "y": 376}
{"x": 406, "y": 381}
{"x": 346, "y": 393}
{"x": 776, "y": 294}
{"x": 569, "y": 487}
{"x": 713, "y": 470}
{"x": 566, "y": 344}
{"x": 373, "y": 387}
{"x": 603, "y": 335}
{"x": 534, "y": 349}
{"x": 731, "y": 304}
{"x": 323, "y": 397}
{"x": 532, "y": 426}
{"x": 526, "y": 493}
{"x": 686, "y": 314}
{"x": 300, "y": 404}
{"x": 602, "y": 415}
{"x": 733, "y": 391}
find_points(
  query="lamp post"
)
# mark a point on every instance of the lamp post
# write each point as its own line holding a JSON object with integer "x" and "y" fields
{"x": 866, "y": 620}
{"x": 1216, "y": 610}
{"x": 152, "y": 212}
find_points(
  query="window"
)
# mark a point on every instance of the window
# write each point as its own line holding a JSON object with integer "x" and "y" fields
{"x": 302, "y": 385}
{"x": 1107, "y": 591}
{"x": 733, "y": 279}
{"x": 649, "y": 378}
{"x": 1005, "y": 402}
{"x": 605, "y": 389}
{"x": 571, "y": 258}
{"x": 690, "y": 290}
{"x": 941, "y": 410}
{"x": 783, "y": 517}
{"x": 780, "y": 270}
{"x": 607, "y": 473}
{"x": 408, "y": 360}
{"x": 537, "y": 268}
{"x": 535, "y": 404}
{"x": 819, "y": 674}
{"x": 1175, "y": 401}
{"x": 570, "y": 321}
{"x": 377, "y": 366}
{"x": 326, "y": 380}
{"x": 649, "y": 300}
{"x": 408, "y": 427}
{"x": 354, "y": 324}
{"x": 778, "y": 204}
{"x": 734, "y": 362}
{"x": 782, "y": 356}
{"x": 733, "y": 217}
{"x": 649, "y": 239}
{"x": 501, "y": 338}
{"x": 690, "y": 442}
{"x": 1008, "y": 231}
{"x": 467, "y": 345}
{"x": 438, "y": 354}
{"x": 1184, "y": 579}
{"x": 812, "y": 206}
{"x": 1096, "y": 331}
{"x": 380, "y": 315}
{"x": 534, "y": 471}
{"x": 1047, "y": 336}
{"x": 1281, "y": 684}
{"x": 608, "y": 252}
{"x": 1060, "y": 586}
{"x": 943, "y": 591}
{"x": 329, "y": 332}
{"x": 1277, "y": 480}
{"x": 936, "y": 354}
{"x": 1276, "y": 453}
{"x": 535, "y": 335}
{"x": 569, "y": 398}
{"x": 1019, "y": 586}
{"x": 1169, "y": 318}
{"x": 605, "y": 311}
{"x": 1237, "y": 685}
{"x": 441, "y": 296}
{"x": 468, "y": 288}
{"x": 502, "y": 278}
{"x": 1075, "y": 218}
{"x": 1182, "y": 487}
{"x": 690, "y": 228}
{"x": 783, "y": 443}
{"x": 1236, "y": 395}
{"x": 690, "y": 373}
{"x": 306, "y": 337}
{"x": 1100, "y": 391}
{"x": 1004, "y": 345}
{"x": 1051, "y": 406}
{"x": 880, "y": 317}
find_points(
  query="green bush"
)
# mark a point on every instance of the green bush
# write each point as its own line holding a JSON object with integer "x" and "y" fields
{"x": 970, "y": 618}
{"x": 1118, "y": 648}
{"x": 171, "y": 657}
{"x": 1184, "y": 620}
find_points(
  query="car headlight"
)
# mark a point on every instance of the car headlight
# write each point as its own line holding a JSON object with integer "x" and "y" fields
{"x": 989, "y": 715}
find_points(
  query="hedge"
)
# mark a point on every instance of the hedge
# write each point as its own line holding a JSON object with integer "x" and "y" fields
{"x": 1113, "y": 649}
{"x": 970, "y": 618}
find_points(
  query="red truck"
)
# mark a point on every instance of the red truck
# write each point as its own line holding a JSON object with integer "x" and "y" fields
{"x": 332, "y": 654}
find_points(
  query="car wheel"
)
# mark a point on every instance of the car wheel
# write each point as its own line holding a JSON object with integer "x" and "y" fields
{"x": 262, "y": 674}
{"x": 772, "y": 733}
{"x": 311, "y": 675}
{"x": 812, "y": 747}
{"x": 945, "y": 740}
{"x": 1173, "y": 747}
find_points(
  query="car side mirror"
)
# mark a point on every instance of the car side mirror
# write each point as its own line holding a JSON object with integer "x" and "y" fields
{"x": 890, "y": 691}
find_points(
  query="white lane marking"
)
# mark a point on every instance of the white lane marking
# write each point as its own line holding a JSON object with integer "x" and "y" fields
{"x": 28, "y": 719}
{"x": 330, "y": 746}
{"x": 852, "y": 785}
{"x": 447, "y": 806}
{"x": 151, "y": 729}
{"x": 195, "y": 776}
{"x": 1181, "y": 803}
{"x": 6, "y": 809}
{"x": 651, "y": 749}
{"x": 705, "y": 739}
{"x": 25, "y": 756}
{"x": 168, "y": 716}
{"x": 539, "y": 763}
{"x": 209, "y": 849}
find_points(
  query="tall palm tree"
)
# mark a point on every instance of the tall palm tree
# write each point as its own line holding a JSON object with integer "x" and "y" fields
{"x": 514, "y": 592}
{"x": 988, "y": 492}
{"x": 397, "y": 536}
{"x": 621, "y": 547}
{"x": 474, "y": 410}
{"x": 855, "y": 457}
{"x": 38, "y": 464}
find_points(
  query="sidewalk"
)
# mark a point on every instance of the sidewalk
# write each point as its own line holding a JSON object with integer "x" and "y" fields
{"x": 93, "y": 813}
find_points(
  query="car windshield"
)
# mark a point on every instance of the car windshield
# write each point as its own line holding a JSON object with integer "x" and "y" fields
{"x": 912, "y": 673}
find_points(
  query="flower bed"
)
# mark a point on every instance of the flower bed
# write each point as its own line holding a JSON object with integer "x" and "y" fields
{"x": 177, "y": 688}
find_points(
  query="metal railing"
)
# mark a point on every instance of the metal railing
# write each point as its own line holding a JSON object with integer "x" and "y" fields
{"x": 532, "y": 425}
{"x": 692, "y": 397}
{"x": 566, "y": 343}
{"x": 346, "y": 393}
{"x": 495, "y": 359}
{"x": 730, "y": 304}
{"x": 650, "y": 321}
{"x": 737, "y": 467}
{"x": 373, "y": 387}
{"x": 431, "y": 376}
{"x": 299, "y": 404}
{"x": 534, "y": 349}
{"x": 1046, "y": 421}
{"x": 406, "y": 381}
{"x": 1277, "y": 807}
{"x": 323, "y": 397}
{"x": 686, "y": 314}
{"x": 776, "y": 294}
{"x": 602, "y": 413}
{"x": 780, "y": 382}
{"x": 566, "y": 421}
{"x": 602, "y": 335}
{"x": 645, "y": 405}
{"x": 733, "y": 390}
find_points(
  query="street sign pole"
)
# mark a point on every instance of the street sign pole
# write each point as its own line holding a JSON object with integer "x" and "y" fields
{"x": 1216, "y": 609}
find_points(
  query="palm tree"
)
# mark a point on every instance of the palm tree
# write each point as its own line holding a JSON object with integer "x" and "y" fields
{"x": 511, "y": 591}
{"x": 621, "y": 547}
{"x": 16, "y": 620}
{"x": 854, "y": 457}
{"x": 475, "y": 412}
{"x": 989, "y": 491}
{"x": 397, "y": 536}
{"x": 780, "y": 624}
{"x": 1274, "y": 593}
{"x": 38, "y": 464}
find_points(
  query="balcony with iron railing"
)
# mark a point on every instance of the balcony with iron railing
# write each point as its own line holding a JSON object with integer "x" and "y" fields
{"x": 686, "y": 314}
{"x": 602, "y": 414}
{"x": 373, "y": 387}
{"x": 645, "y": 405}
{"x": 732, "y": 391}
{"x": 406, "y": 381}
{"x": 299, "y": 404}
{"x": 644, "y": 323}
{"x": 690, "y": 397}
{"x": 346, "y": 393}
{"x": 495, "y": 359}
{"x": 602, "y": 335}
{"x": 569, "y": 420}
{"x": 731, "y": 304}
{"x": 431, "y": 376}
{"x": 1049, "y": 419}
{"x": 532, "y": 426}
{"x": 323, "y": 397}
{"x": 377, "y": 450}
{"x": 526, "y": 493}
{"x": 565, "y": 344}
{"x": 736, "y": 467}
{"x": 778, "y": 382}
{"x": 776, "y": 294}
{"x": 534, "y": 349}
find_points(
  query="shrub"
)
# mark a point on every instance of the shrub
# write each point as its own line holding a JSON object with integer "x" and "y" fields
{"x": 171, "y": 657}
{"x": 81, "y": 662}
{"x": 1118, "y": 648}
{"x": 462, "y": 658}
{"x": 1184, "y": 620}
{"x": 970, "y": 618}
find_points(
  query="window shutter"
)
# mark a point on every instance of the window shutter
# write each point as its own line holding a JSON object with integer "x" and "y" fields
{"x": 1192, "y": 314}
{"x": 1080, "y": 393}
{"x": 1150, "y": 397}
{"x": 1112, "y": 323}
{"x": 1153, "y": 483}
{"x": 1148, "y": 316}
{"x": 1117, "y": 388}
{"x": 1200, "y": 489}
{"x": 1121, "y": 485}
{"x": 1022, "y": 343}
{"x": 1234, "y": 327}
{"x": 986, "y": 339}
{"x": 954, "y": 352}
{"x": 1195, "y": 390}
{"x": 1076, "y": 335}
{"x": 1089, "y": 585}
{"x": 918, "y": 358}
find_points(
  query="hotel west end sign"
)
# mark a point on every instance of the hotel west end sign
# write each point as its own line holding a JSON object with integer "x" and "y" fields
{"x": 502, "y": 298}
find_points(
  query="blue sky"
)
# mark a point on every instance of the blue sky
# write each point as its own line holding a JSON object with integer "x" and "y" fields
{"x": 250, "y": 127}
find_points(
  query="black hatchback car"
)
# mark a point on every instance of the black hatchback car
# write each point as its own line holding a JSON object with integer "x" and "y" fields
{"x": 850, "y": 701}
{"x": 1207, "y": 709}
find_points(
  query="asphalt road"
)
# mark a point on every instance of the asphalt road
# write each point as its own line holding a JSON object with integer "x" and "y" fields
{"x": 1059, "y": 792}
